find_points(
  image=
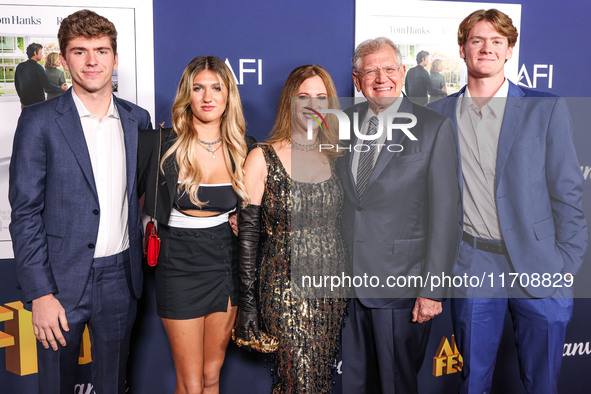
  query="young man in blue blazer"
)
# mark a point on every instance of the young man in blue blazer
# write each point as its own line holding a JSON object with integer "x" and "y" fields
{"x": 522, "y": 212}
{"x": 76, "y": 227}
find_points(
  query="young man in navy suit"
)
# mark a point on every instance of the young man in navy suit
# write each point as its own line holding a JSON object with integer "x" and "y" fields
{"x": 76, "y": 227}
{"x": 522, "y": 212}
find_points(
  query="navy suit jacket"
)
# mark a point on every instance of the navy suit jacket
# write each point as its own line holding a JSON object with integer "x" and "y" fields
{"x": 406, "y": 222}
{"x": 538, "y": 184}
{"x": 55, "y": 208}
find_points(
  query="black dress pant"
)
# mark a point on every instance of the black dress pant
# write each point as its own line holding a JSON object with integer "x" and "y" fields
{"x": 383, "y": 350}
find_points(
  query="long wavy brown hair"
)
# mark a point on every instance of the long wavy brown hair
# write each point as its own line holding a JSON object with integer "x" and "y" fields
{"x": 283, "y": 121}
{"x": 232, "y": 130}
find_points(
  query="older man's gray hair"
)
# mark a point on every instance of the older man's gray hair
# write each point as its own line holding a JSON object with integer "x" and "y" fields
{"x": 373, "y": 45}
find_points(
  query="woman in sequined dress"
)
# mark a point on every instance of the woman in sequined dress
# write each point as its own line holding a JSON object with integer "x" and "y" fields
{"x": 296, "y": 195}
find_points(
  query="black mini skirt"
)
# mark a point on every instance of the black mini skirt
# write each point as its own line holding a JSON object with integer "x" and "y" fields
{"x": 197, "y": 271}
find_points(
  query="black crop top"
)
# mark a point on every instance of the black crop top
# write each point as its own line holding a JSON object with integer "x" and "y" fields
{"x": 217, "y": 198}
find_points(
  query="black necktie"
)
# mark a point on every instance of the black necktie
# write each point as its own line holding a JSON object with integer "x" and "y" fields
{"x": 366, "y": 159}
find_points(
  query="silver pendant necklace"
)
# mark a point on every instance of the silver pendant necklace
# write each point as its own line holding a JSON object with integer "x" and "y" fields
{"x": 209, "y": 146}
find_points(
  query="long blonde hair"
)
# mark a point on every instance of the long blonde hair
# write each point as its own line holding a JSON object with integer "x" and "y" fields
{"x": 283, "y": 121}
{"x": 232, "y": 130}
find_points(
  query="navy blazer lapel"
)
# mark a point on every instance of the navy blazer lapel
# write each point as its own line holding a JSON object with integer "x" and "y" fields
{"x": 451, "y": 105}
{"x": 509, "y": 129}
{"x": 447, "y": 107}
{"x": 398, "y": 137}
{"x": 348, "y": 181}
{"x": 71, "y": 127}
{"x": 130, "y": 137}
{"x": 449, "y": 110}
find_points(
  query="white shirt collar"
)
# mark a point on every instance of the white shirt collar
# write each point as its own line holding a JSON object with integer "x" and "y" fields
{"x": 83, "y": 112}
{"x": 392, "y": 109}
{"x": 496, "y": 105}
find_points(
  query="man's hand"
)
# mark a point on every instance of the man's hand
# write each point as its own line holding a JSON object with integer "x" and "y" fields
{"x": 444, "y": 90}
{"x": 425, "y": 309}
{"x": 233, "y": 220}
{"x": 64, "y": 86}
{"x": 48, "y": 315}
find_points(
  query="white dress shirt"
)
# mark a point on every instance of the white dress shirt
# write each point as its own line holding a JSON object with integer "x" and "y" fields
{"x": 479, "y": 131}
{"x": 391, "y": 110}
{"x": 106, "y": 147}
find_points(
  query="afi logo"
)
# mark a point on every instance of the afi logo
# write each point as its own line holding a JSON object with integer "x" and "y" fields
{"x": 447, "y": 359}
{"x": 247, "y": 66}
{"x": 20, "y": 343}
{"x": 541, "y": 71}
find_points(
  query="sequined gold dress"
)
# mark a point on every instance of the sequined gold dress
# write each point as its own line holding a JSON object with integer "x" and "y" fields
{"x": 302, "y": 225}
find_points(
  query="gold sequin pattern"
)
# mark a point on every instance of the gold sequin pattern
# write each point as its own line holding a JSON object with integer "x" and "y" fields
{"x": 302, "y": 235}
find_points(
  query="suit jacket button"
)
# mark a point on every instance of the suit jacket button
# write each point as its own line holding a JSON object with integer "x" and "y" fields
{"x": 90, "y": 246}
{"x": 359, "y": 209}
{"x": 95, "y": 211}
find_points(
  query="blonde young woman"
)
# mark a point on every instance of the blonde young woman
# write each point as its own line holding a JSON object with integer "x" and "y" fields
{"x": 297, "y": 198}
{"x": 54, "y": 74}
{"x": 200, "y": 185}
{"x": 438, "y": 89}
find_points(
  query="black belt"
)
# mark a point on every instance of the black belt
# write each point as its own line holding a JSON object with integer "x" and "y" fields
{"x": 488, "y": 245}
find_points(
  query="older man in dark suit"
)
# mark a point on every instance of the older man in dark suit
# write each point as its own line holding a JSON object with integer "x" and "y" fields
{"x": 400, "y": 219}
{"x": 76, "y": 227}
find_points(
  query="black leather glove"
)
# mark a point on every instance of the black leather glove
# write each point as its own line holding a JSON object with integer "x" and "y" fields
{"x": 249, "y": 228}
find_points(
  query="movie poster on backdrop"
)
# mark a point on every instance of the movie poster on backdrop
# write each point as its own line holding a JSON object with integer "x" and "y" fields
{"x": 26, "y": 23}
{"x": 430, "y": 26}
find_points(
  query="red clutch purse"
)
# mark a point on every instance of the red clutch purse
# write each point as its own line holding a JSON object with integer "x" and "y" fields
{"x": 152, "y": 246}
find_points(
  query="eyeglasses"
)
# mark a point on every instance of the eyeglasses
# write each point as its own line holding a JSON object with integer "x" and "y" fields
{"x": 373, "y": 73}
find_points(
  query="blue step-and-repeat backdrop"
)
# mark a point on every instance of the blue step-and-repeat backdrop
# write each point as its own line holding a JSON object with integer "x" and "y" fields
{"x": 262, "y": 42}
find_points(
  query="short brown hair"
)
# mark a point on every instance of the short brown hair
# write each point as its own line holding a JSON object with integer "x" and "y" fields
{"x": 501, "y": 22}
{"x": 88, "y": 24}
